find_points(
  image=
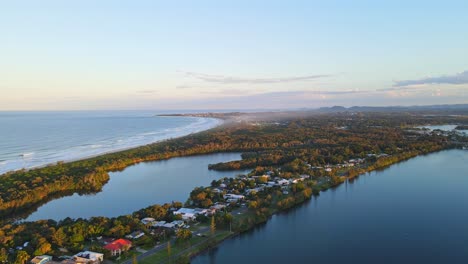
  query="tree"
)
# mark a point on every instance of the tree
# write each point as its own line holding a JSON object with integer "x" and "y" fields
{"x": 3, "y": 255}
{"x": 134, "y": 260}
{"x": 169, "y": 248}
{"x": 228, "y": 219}
{"x": 213, "y": 226}
{"x": 183, "y": 235}
{"x": 43, "y": 248}
{"x": 22, "y": 257}
{"x": 253, "y": 204}
{"x": 59, "y": 237}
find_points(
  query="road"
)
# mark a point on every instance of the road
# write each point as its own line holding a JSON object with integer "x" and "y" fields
{"x": 161, "y": 247}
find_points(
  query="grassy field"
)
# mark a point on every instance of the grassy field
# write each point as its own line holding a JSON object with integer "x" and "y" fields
{"x": 196, "y": 245}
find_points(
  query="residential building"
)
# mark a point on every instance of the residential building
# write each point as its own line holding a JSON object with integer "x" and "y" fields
{"x": 41, "y": 259}
{"x": 88, "y": 257}
{"x": 118, "y": 246}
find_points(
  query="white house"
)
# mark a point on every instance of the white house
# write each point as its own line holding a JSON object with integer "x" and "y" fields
{"x": 158, "y": 224}
{"x": 147, "y": 220}
{"x": 168, "y": 225}
{"x": 189, "y": 213}
{"x": 88, "y": 257}
{"x": 283, "y": 182}
{"x": 135, "y": 235}
{"x": 234, "y": 196}
{"x": 41, "y": 259}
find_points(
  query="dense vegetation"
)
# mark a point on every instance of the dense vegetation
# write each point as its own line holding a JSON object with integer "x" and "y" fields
{"x": 284, "y": 147}
{"x": 317, "y": 139}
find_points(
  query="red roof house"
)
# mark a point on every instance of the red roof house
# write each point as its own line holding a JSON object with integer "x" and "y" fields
{"x": 116, "y": 247}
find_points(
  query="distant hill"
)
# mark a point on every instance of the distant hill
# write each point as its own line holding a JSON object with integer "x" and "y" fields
{"x": 457, "y": 108}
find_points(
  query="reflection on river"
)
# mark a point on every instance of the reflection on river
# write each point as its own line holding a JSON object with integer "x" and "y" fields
{"x": 139, "y": 186}
{"x": 412, "y": 212}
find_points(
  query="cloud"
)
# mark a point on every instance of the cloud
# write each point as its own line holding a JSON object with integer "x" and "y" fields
{"x": 257, "y": 92}
{"x": 304, "y": 93}
{"x": 146, "y": 91}
{"x": 241, "y": 80}
{"x": 458, "y": 78}
{"x": 337, "y": 92}
{"x": 401, "y": 88}
{"x": 183, "y": 87}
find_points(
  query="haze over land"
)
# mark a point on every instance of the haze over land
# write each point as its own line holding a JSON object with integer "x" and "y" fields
{"x": 87, "y": 54}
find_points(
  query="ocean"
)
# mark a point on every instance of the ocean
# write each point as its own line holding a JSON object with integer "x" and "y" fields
{"x": 32, "y": 139}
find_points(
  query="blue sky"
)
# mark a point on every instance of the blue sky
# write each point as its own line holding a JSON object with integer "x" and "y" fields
{"x": 90, "y": 54}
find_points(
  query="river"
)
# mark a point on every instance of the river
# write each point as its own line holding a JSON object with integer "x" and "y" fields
{"x": 412, "y": 212}
{"x": 139, "y": 186}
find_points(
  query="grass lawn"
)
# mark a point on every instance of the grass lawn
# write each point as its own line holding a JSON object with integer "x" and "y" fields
{"x": 184, "y": 248}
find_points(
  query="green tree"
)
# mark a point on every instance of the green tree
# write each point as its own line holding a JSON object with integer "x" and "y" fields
{"x": 253, "y": 204}
{"x": 3, "y": 255}
{"x": 183, "y": 235}
{"x": 59, "y": 237}
{"x": 22, "y": 257}
{"x": 43, "y": 248}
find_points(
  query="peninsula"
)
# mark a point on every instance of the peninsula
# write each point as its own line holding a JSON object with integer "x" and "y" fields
{"x": 291, "y": 157}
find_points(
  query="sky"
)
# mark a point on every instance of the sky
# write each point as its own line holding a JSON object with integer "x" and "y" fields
{"x": 110, "y": 54}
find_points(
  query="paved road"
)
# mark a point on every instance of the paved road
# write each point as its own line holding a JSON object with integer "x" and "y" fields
{"x": 161, "y": 247}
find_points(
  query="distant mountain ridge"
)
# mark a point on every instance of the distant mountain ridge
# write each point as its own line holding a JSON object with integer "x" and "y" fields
{"x": 455, "y": 107}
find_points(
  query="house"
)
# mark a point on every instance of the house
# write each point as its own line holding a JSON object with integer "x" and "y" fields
{"x": 135, "y": 235}
{"x": 271, "y": 183}
{"x": 168, "y": 226}
{"x": 118, "y": 246}
{"x": 41, "y": 259}
{"x": 216, "y": 190}
{"x": 283, "y": 182}
{"x": 189, "y": 213}
{"x": 178, "y": 223}
{"x": 159, "y": 224}
{"x": 186, "y": 213}
{"x": 88, "y": 257}
{"x": 231, "y": 196}
{"x": 148, "y": 220}
{"x": 218, "y": 206}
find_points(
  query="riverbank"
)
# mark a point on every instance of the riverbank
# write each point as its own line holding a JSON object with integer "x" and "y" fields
{"x": 386, "y": 216}
{"x": 328, "y": 149}
{"x": 22, "y": 191}
{"x": 154, "y": 182}
{"x": 246, "y": 219}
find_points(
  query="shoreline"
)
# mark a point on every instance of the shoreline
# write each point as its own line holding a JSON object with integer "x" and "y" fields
{"x": 205, "y": 246}
{"x": 92, "y": 174}
{"x": 218, "y": 122}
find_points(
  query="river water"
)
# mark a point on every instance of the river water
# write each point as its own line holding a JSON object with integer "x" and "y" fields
{"x": 139, "y": 186}
{"x": 412, "y": 212}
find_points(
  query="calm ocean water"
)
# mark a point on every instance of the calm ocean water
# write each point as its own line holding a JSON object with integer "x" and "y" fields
{"x": 30, "y": 139}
